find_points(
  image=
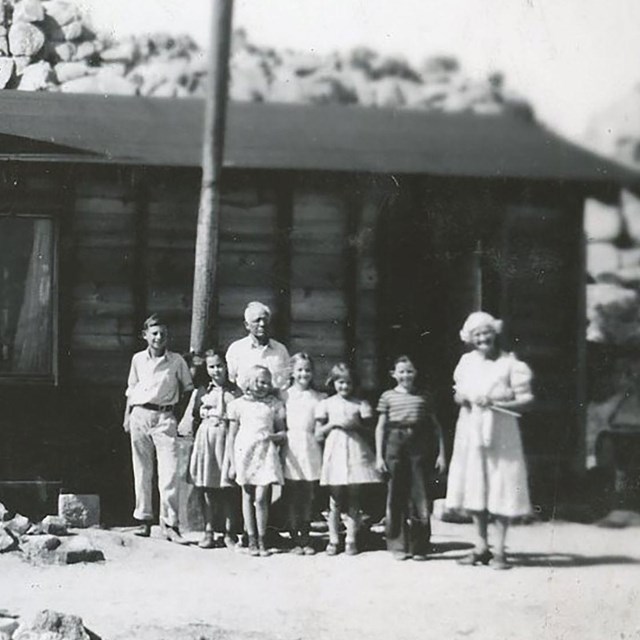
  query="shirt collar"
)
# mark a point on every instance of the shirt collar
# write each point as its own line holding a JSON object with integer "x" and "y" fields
{"x": 164, "y": 356}
{"x": 256, "y": 345}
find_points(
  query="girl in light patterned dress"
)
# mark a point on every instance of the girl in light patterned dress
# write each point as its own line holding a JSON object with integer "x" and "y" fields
{"x": 206, "y": 415}
{"x": 257, "y": 427}
{"x": 348, "y": 462}
{"x": 302, "y": 452}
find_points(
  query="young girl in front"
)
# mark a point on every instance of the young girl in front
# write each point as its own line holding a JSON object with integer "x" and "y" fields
{"x": 302, "y": 451}
{"x": 409, "y": 444}
{"x": 207, "y": 416}
{"x": 348, "y": 461}
{"x": 257, "y": 426}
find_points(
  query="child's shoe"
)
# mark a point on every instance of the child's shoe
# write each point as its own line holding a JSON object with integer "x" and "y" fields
{"x": 207, "y": 541}
{"x": 229, "y": 542}
{"x": 351, "y": 549}
{"x": 419, "y": 557}
{"x": 172, "y": 534}
{"x": 332, "y": 549}
{"x": 297, "y": 551}
{"x": 499, "y": 562}
{"x": 400, "y": 555}
{"x": 253, "y": 547}
{"x": 308, "y": 551}
{"x": 263, "y": 552}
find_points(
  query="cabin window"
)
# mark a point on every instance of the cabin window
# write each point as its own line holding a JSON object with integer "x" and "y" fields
{"x": 27, "y": 342}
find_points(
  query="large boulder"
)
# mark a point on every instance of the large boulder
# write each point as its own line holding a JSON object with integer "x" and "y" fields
{"x": 602, "y": 222}
{"x": 7, "y": 67}
{"x": 630, "y": 205}
{"x": 62, "y": 12}
{"x": 51, "y": 625}
{"x": 28, "y": 11}
{"x": 25, "y": 39}
{"x": 602, "y": 257}
{"x": 613, "y": 315}
{"x": 36, "y": 76}
{"x": 66, "y": 71}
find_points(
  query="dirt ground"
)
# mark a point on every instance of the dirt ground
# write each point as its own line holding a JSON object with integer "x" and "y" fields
{"x": 571, "y": 581}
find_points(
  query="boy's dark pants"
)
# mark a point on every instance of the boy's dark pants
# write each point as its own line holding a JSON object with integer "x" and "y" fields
{"x": 408, "y": 455}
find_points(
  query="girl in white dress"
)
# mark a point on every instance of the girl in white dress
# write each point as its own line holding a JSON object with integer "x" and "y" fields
{"x": 348, "y": 462}
{"x": 257, "y": 426}
{"x": 302, "y": 451}
{"x": 488, "y": 473}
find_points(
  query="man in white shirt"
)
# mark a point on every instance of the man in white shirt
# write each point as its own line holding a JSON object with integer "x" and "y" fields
{"x": 157, "y": 380}
{"x": 258, "y": 348}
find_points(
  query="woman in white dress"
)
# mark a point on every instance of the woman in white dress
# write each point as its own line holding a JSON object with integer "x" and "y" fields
{"x": 488, "y": 474}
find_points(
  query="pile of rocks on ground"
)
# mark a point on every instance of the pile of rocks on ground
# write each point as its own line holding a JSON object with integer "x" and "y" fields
{"x": 48, "y": 45}
{"x": 44, "y": 625}
{"x": 48, "y": 540}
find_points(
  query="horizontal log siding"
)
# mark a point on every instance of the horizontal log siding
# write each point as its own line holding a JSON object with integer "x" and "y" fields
{"x": 319, "y": 270}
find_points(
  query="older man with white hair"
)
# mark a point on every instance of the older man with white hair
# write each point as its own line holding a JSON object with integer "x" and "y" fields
{"x": 258, "y": 348}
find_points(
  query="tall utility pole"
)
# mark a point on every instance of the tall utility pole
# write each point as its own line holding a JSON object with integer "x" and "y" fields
{"x": 206, "y": 258}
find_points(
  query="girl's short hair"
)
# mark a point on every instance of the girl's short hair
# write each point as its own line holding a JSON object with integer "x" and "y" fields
{"x": 251, "y": 375}
{"x": 338, "y": 372}
{"x": 403, "y": 359}
{"x": 215, "y": 352}
{"x": 301, "y": 356}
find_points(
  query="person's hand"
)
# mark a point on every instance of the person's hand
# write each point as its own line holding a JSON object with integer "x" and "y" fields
{"x": 278, "y": 437}
{"x": 441, "y": 463}
{"x": 126, "y": 426}
{"x": 381, "y": 466}
{"x": 231, "y": 472}
{"x": 184, "y": 431}
{"x": 483, "y": 401}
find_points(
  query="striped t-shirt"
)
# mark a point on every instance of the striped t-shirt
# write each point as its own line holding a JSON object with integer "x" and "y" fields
{"x": 408, "y": 408}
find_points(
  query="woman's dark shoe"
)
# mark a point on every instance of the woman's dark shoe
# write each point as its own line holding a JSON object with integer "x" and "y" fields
{"x": 475, "y": 558}
{"x": 143, "y": 531}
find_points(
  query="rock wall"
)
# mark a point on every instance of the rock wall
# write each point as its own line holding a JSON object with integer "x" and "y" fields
{"x": 47, "y": 45}
{"x": 613, "y": 314}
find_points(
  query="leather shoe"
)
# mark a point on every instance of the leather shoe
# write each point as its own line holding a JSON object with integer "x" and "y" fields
{"x": 172, "y": 534}
{"x": 143, "y": 531}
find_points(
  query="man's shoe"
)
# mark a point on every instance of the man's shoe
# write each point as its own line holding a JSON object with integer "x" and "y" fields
{"x": 172, "y": 534}
{"x": 143, "y": 531}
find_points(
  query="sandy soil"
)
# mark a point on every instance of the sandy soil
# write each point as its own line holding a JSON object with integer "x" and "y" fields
{"x": 572, "y": 581}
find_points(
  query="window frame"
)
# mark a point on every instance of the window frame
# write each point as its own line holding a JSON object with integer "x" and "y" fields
{"x": 52, "y": 378}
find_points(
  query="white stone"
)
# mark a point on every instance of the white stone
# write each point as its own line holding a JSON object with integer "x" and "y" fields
{"x": 73, "y": 30}
{"x": 66, "y": 71}
{"x": 602, "y": 222}
{"x": 79, "y": 510}
{"x": 62, "y": 12}
{"x": 36, "y": 76}
{"x": 55, "y": 525}
{"x": 51, "y": 625}
{"x": 8, "y": 540}
{"x": 19, "y": 524}
{"x": 629, "y": 257}
{"x": 7, "y": 66}
{"x": 602, "y": 257}
{"x": 65, "y": 51}
{"x": 25, "y": 39}
{"x": 28, "y": 11}
{"x": 631, "y": 214}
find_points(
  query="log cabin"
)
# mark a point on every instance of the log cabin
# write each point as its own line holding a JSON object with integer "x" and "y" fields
{"x": 370, "y": 232}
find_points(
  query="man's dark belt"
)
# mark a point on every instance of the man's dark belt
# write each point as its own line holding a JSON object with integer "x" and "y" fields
{"x": 158, "y": 407}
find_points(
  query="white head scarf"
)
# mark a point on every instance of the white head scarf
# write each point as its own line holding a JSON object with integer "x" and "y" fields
{"x": 475, "y": 321}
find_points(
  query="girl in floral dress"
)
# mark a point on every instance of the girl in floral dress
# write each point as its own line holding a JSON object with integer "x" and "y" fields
{"x": 257, "y": 426}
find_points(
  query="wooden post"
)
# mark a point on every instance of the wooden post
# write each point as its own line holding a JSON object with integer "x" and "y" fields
{"x": 206, "y": 257}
